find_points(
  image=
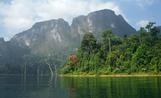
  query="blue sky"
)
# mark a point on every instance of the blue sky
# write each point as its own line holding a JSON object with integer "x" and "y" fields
{"x": 19, "y": 15}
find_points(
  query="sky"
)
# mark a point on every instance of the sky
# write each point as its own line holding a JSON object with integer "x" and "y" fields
{"x": 19, "y": 15}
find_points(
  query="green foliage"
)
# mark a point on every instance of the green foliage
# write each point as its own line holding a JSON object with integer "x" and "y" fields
{"x": 89, "y": 42}
{"x": 137, "y": 53}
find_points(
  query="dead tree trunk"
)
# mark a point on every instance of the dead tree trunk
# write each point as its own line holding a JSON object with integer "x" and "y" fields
{"x": 25, "y": 72}
{"x": 38, "y": 76}
{"x": 56, "y": 72}
{"x": 51, "y": 70}
{"x": 24, "y": 76}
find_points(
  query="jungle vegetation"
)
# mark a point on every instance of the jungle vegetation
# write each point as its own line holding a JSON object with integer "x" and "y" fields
{"x": 140, "y": 52}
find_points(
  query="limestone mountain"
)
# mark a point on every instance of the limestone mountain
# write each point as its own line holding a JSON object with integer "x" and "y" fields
{"x": 99, "y": 21}
{"x": 45, "y": 36}
{"x": 58, "y": 35}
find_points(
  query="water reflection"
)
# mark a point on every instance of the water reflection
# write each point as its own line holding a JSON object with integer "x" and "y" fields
{"x": 140, "y": 87}
{"x": 65, "y": 87}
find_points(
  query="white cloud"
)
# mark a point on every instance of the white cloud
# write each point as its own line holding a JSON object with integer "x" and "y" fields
{"x": 143, "y": 3}
{"x": 22, "y": 14}
{"x": 142, "y": 23}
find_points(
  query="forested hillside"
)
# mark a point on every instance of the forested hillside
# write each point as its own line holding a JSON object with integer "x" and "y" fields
{"x": 137, "y": 53}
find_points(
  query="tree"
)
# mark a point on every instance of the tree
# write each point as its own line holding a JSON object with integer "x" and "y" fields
{"x": 154, "y": 32}
{"x": 73, "y": 59}
{"x": 149, "y": 26}
{"x": 106, "y": 40}
{"x": 89, "y": 43}
{"x": 142, "y": 33}
{"x": 152, "y": 29}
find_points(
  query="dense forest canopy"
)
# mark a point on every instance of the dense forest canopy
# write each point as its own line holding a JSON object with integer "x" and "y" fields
{"x": 140, "y": 52}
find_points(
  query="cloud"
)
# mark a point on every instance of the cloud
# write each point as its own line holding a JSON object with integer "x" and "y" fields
{"x": 15, "y": 16}
{"x": 143, "y": 3}
{"x": 142, "y": 23}
{"x": 22, "y": 14}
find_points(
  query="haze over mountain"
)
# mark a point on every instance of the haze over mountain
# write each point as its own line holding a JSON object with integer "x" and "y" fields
{"x": 56, "y": 34}
{"x": 58, "y": 37}
{"x": 45, "y": 36}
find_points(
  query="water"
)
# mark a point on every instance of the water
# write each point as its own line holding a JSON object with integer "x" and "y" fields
{"x": 65, "y": 87}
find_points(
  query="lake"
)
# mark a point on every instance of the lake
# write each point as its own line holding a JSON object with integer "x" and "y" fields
{"x": 79, "y": 87}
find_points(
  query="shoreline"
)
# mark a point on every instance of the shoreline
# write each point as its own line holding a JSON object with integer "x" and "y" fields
{"x": 95, "y": 75}
{"x": 112, "y": 75}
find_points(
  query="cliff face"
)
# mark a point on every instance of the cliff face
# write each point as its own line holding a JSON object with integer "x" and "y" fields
{"x": 99, "y": 21}
{"x": 45, "y": 36}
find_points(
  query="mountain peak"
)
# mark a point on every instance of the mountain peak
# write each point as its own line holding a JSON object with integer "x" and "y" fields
{"x": 99, "y": 21}
{"x": 104, "y": 11}
{"x": 49, "y": 22}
